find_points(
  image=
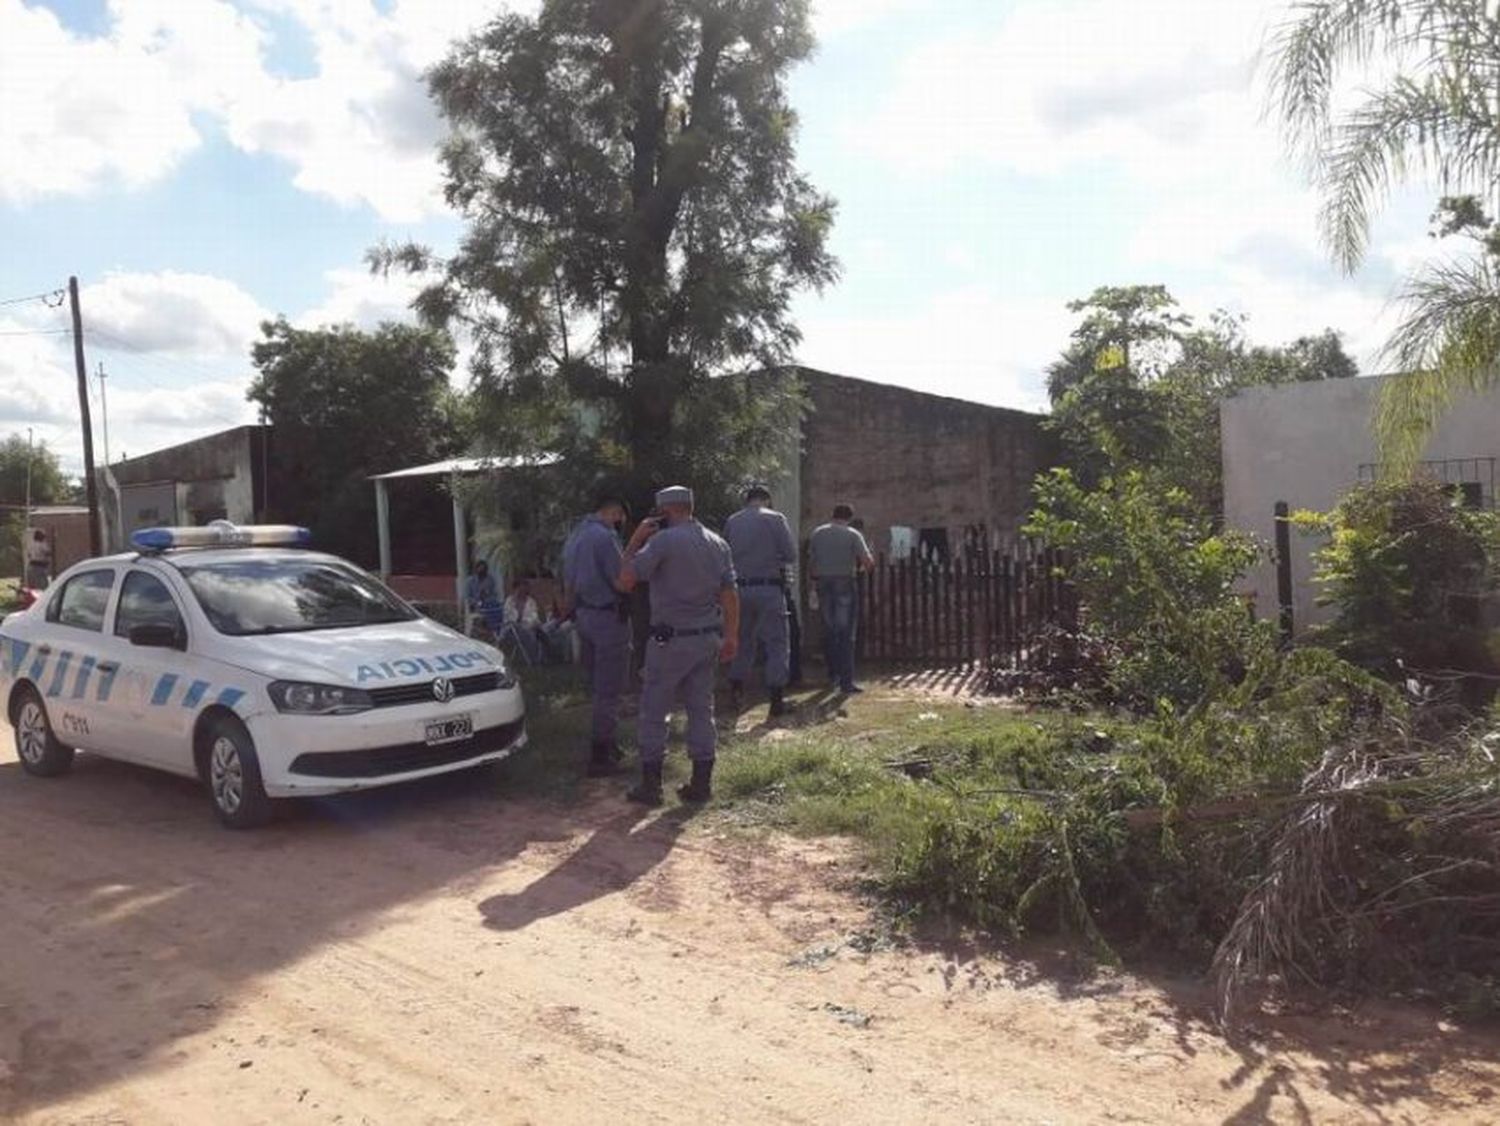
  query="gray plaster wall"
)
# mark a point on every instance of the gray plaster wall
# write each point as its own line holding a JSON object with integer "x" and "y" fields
{"x": 211, "y": 477}
{"x": 1305, "y": 444}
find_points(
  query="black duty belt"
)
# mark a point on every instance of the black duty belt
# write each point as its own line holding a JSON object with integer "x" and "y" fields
{"x": 590, "y": 606}
{"x": 761, "y": 582}
{"x": 663, "y": 634}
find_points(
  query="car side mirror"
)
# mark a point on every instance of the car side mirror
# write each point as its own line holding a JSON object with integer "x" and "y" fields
{"x": 156, "y": 635}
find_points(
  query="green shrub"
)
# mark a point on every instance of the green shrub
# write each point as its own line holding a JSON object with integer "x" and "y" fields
{"x": 1407, "y": 569}
{"x": 1157, "y": 583}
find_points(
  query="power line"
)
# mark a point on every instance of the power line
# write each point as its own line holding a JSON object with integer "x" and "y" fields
{"x": 132, "y": 373}
{"x": 35, "y": 332}
{"x": 120, "y": 344}
{"x": 52, "y": 298}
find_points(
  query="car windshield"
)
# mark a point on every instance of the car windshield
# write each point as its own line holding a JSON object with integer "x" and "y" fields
{"x": 263, "y": 596}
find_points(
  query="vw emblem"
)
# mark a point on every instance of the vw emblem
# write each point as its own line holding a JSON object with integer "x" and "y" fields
{"x": 442, "y": 689}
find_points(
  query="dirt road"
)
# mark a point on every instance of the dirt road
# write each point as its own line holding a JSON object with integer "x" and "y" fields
{"x": 443, "y": 955}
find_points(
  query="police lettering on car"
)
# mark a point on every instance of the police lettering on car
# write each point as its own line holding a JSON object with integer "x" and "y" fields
{"x": 233, "y": 655}
{"x": 695, "y": 612}
{"x": 764, "y": 554}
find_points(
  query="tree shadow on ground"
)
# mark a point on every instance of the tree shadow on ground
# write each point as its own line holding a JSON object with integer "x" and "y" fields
{"x": 1375, "y": 1053}
{"x": 131, "y": 921}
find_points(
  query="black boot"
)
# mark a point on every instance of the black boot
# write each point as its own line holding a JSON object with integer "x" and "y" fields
{"x": 648, "y": 792}
{"x": 604, "y": 759}
{"x": 699, "y": 789}
{"x": 778, "y": 702}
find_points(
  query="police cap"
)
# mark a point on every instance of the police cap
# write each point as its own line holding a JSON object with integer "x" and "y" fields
{"x": 676, "y": 494}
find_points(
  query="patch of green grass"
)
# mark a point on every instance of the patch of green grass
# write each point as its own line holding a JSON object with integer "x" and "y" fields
{"x": 989, "y": 813}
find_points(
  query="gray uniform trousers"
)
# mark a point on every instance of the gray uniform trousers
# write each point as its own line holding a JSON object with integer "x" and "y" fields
{"x": 763, "y": 624}
{"x": 606, "y": 662}
{"x": 684, "y": 666}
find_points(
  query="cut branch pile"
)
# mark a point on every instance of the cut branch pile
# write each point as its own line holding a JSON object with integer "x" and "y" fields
{"x": 1388, "y": 866}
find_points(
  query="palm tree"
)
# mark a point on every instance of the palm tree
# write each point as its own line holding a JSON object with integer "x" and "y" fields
{"x": 1437, "y": 113}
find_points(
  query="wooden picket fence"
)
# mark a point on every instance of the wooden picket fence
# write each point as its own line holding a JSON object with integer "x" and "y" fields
{"x": 983, "y": 608}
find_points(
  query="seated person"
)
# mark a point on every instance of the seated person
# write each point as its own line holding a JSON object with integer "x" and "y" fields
{"x": 482, "y": 599}
{"x": 521, "y": 612}
{"x": 557, "y": 633}
{"x": 480, "y": 590}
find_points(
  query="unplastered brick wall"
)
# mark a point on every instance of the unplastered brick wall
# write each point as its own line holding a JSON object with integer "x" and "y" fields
{"x": 907, "y": 459}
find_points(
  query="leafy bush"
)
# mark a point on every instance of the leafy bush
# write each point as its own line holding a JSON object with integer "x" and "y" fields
{"x": 1407, "y": 569}
{"x": 1158, "y": 583}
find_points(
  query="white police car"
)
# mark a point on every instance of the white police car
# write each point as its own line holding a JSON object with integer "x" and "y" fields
{"x": 230, "y": 655}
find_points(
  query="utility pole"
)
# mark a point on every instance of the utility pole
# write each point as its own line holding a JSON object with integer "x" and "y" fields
{"x": 90, "y": 485}
{"x": 104, "y": 411}
{"x": 26, "y": 518}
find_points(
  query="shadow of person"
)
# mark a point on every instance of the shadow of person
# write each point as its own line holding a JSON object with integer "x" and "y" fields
{"x": 620, "y": 852}
{"x": 136, "y": 927}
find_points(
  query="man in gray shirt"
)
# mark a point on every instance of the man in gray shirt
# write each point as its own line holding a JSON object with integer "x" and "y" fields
{"x": 591, "y": 567}
{"x": 836, "y": 555}
{"x": 695, "y": 622}
{"x": 761, "y": 540}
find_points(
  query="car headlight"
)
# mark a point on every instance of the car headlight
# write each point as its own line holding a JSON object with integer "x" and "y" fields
{"x": 318, "y": 699}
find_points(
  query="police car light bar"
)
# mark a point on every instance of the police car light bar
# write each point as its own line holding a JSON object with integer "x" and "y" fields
{"x": 221, "y": 533}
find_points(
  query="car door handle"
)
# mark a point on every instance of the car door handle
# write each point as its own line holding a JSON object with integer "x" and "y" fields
{"x": 108, "y": 666}
{"x": 44, "y": 650}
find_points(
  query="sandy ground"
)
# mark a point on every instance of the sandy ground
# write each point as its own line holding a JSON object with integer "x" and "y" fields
{"x": 443, "y": 955}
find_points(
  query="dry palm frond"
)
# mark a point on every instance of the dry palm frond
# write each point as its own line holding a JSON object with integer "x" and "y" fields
{"x": 1273, "y": 928}
{"x": 1334, "y": 880}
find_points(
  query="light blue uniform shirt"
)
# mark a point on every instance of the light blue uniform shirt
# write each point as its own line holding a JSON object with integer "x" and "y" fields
{"x": 761, "y": 540}
{"x": 688, "y": 567}
{"x": 591, "y": 563}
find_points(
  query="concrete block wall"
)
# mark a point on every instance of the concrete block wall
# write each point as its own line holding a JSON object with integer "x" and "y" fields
{"x": 911, "y": 459}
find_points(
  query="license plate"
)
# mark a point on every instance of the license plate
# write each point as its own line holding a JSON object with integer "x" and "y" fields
{"x": 450, "y": 730}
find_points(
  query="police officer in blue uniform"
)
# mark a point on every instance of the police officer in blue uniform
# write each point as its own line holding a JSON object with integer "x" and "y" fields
{"x": 591, "y": 570}
{"x": 695, "y": 622}
{"x": 764, "y": 552}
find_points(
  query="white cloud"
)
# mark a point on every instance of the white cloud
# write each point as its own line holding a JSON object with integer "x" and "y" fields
{"x": 201, "y": 408}
{"x": 68, "y": 126}
{"x": 358, "y": 297}
{"x": 175, "y": 347}
{"x": 35, "y": 386}
{"x": 969, "y": 342}
{"x": 86, "y": 113}
{"x": 195, "y": 314}
{"x": 1062, "y": 83}
{"x": 835, "y": 17}
{"x": 1163, "y": 100}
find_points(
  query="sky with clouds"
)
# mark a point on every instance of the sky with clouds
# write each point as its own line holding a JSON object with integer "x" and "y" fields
{"x": 202, "y": 165}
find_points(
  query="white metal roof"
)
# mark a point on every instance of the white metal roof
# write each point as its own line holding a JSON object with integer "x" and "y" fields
{"x": 462, "y": 465}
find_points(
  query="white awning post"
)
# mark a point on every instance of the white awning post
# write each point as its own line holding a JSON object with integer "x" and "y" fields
{"x": 383, "y": 525}
{"x": 460, "y": 544}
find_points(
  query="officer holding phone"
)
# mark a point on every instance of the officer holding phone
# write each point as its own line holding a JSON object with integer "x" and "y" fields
{"x": 695, "y": 623}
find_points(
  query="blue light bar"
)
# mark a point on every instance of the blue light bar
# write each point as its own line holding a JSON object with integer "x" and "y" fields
{"x": 221, "y": 533}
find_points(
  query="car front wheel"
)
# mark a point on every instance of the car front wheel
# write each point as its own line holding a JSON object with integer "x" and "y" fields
{"x": 36, "y": 746}
{"x": 231, "y": 771}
